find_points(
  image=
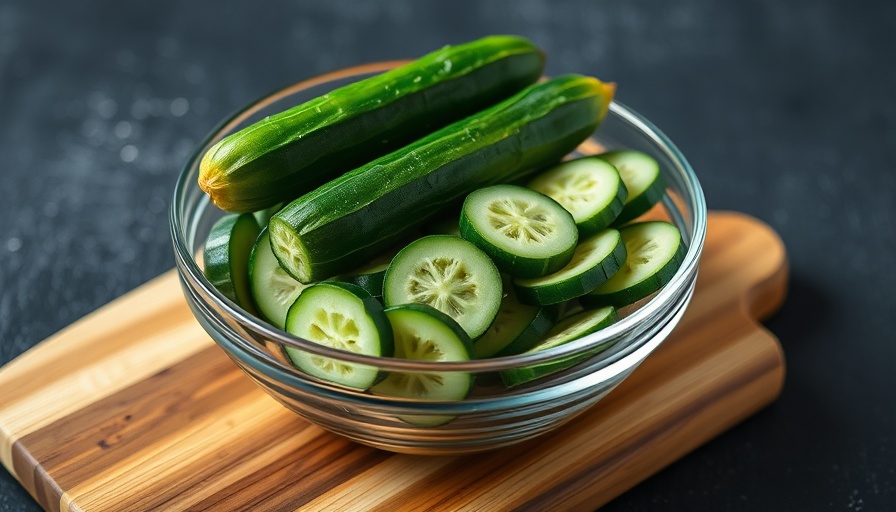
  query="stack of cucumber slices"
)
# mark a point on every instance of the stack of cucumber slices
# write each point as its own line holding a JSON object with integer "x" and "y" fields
{"x": 531, "y": 269}
{"x": 505, "y": 267}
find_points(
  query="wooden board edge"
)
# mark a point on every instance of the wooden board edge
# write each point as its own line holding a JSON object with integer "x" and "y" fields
{"x": 760, "y": 301}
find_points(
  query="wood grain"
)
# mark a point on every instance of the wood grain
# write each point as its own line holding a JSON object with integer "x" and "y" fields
{"x": 135, "y": 408}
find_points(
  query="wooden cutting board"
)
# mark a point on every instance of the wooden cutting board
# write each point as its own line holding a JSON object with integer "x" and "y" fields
{"x": 135, "y": 408}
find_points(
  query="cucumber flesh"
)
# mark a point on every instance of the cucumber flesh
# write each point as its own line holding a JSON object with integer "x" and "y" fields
{"x": 569, "y": 329}
{"x": 517, "y": 328}
{"x": 449, "y": 274}
{"x": 641, "y": 174}
{"x": 273, "y": 290}
{"x": 526, "y": 233}
{"x": 341, "y": 316}
{"x": 226, "y": 257}
{"x": 655, "y": 250}
{"x": 589, "y": 188}
{"x": 423, "y": 333}
{"x": 595, "y": 260}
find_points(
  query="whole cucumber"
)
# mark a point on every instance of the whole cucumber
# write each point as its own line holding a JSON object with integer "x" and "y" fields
{"x": 350, "y": 219}
{"x": 288, "y": 154}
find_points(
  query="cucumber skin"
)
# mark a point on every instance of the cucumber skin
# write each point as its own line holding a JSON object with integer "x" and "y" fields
{"x": 516, "y": 376}
{"x": 606, "y": 217}
{"x": 634, "y": 207}
{"x": 371, "y": 283}
{"x": 641, "y": 204}
{"x": 533, "y": 333}
{"x": 290, "y": 153}
{"x": 351, "y": 218}
{"x": 218, "y": 258}
{"x": 573, "y": 287}
{"x": 370, "y": 277}
{"x": 641, "y": 290}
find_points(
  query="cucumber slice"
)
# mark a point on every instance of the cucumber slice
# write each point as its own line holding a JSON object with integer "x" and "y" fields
{"x": 423, "y": 333}
{"x": 528, "y": 234}
{"x": 589, "y": 188}
{"x": 273, "y": 289}
{"x": 450, "y": 274}
{"x": 594, "y": 261}
{"x": 568, "y": 329}
{"x": 342, "y": 316}
{"x": 226, "y": 257}
{"x": 517, "y": 328}
{"x": 655, "y": 251}
{"x": 642, "y": 178}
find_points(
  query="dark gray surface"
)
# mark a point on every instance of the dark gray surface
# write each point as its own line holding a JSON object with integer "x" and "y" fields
{"x": 786, "y": 110}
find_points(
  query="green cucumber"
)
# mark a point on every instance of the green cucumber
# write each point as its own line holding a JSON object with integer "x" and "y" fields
{"x": 641, "y": 174}
{"x": 423, "y": 333}
{"x": 288, "y": 154}
{"x": 594, "y": 261}
{"x": 517, "y": 328}
{"x": 526, "y": 233}
{"x": 449, "y": 274}
{"x": 226, "y": 257}
{"x": 349, "y": 220}
{"x": 570, "y": 328}
{"x": 654, "y": 250}
{"x": 589, "y": 188}
{"x": 273, "y": 290}
{"x": 341, "y": 316}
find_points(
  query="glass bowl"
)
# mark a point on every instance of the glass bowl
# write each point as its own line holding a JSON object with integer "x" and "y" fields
{"x": 493, "y": 415}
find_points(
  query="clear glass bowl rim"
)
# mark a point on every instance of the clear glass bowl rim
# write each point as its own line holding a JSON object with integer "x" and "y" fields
{"x": 194, "y": 277}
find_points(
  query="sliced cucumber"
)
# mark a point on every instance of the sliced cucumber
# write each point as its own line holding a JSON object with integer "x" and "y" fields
{"x": 528, "y": 234}
{"x": 517, "y": 328}
{"x": 450, "y": 274}
{"x": 594, "y": 261}
{"x": 341, "y": 316}
{"x": 273, "y": 289}
{"x": 226, "y": 257}
{"x": 423, "y": 333}
{"x": 655, "y": 251}
{"x": 642, "y": 178}
{"x": 589, "y": 188}
{"x": 568, "y": 329}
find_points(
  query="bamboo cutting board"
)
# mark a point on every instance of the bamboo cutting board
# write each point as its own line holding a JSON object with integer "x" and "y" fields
{"x": 135, "y": 408}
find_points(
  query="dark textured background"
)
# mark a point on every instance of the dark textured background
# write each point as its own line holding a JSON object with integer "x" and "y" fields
{"x": 787, "y": 110}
